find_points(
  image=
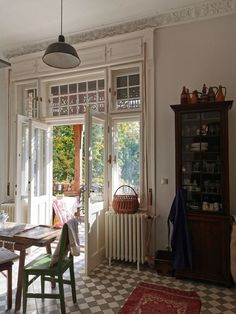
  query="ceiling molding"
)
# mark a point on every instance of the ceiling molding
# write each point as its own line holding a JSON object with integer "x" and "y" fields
{"x": 204, "y": 10}
{"x": 4, "y": 64}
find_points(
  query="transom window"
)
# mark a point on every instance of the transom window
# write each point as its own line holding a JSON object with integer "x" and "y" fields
{"x": 126, "y": 89}
{"x": 71, "y": 99}
{"x": 31, "y": 103}
{"x": 128, "y": 92}
{"x": 28, "y": 100}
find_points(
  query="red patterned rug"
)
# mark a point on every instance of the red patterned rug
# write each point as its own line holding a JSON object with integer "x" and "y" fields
{"x": 154, "y": 299}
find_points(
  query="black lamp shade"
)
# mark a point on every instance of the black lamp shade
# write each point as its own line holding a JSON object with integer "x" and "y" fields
{"x": 61, "y": 55}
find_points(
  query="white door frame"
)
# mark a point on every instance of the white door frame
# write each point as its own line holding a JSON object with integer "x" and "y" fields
{"x": 40, "y": 196}
{"x": 94, "y": 223}
{"x": 29, "y": 207}
{"x": 22, "y": 171}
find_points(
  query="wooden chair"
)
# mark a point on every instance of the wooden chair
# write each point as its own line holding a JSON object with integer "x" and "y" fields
{"x": 8, "y": 267}
{"x": 6, "y": 262}
{"x": 40, "y": 267}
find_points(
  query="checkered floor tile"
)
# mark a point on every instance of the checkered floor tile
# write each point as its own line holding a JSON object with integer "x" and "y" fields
{"x": 108, "y": 287}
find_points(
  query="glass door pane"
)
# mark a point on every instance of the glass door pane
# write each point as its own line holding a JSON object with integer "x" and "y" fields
{"x": 25, "y": 160}
{"x": 39, "y": 162}
{"x": 201, "y": 160}
{"x": 126, "y": 154}
{"x": 40, "y": 209}
{"x": 97, "y": 169}
{"x": 95, "y": 178}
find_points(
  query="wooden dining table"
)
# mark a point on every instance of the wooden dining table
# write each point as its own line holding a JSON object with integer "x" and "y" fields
{"x": 20, "y": 237}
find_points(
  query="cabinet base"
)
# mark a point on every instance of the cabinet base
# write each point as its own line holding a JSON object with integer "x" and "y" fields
{"x": 226, "y": 282}
{"x": 163, "y": 263}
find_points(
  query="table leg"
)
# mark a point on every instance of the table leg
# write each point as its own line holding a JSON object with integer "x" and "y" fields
{"x": 19, "y": 281}
{"x": 9, "y": 287}
{"x": 48, "y": 248}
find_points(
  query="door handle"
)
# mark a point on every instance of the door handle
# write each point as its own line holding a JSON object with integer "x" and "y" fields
{"x": 110, "y": 159}
{"x": 83, "y": 188}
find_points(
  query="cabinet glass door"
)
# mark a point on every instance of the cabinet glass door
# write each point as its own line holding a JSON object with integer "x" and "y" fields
{"x": 202, "y": 171}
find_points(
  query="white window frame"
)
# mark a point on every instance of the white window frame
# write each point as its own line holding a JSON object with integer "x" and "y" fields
{"x": 109, "y": 74}
{"x": 122, "y": 115}
{"x": 114, "y": 119}
{"x": 29, "y": 106}
{"x": 128, "y": 69}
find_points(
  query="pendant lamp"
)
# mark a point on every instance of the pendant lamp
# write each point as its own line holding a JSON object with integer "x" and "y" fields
{"x": 60, "y": 54}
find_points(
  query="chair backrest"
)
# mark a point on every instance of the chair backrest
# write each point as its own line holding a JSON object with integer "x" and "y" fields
{"x": 64, "y": 244}
{"x": 69, "y": 242}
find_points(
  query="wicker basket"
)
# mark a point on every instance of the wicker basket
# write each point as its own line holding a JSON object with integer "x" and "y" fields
{"x": 125, "y": 203}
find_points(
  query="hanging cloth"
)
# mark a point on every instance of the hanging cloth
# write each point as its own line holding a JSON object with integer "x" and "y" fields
{"x": 180, "y": 238}
{"x": 74, "y": 243}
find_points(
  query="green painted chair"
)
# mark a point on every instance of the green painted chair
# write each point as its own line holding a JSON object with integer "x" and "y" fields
{"x": 40, "y": 267}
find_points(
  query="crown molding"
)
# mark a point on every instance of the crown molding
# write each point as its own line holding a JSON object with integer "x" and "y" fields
{"x": 204, "y": 10}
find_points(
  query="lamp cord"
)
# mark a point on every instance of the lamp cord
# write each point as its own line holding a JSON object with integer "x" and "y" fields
{"x": 61, "y": 14}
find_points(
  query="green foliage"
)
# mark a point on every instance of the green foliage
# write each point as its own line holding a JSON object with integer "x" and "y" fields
{"x": 63, "y": 153}
{"x": 127, "y": 144}
{"x": 128, "y": 153}
{"x": 98, "y": 155}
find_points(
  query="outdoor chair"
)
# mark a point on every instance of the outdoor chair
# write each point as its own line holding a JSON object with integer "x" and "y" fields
{"x": 42, "y": 267}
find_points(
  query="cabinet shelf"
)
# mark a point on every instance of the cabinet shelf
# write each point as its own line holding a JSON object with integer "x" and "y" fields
{"x": 198, "y": 137}
{"x": 201, "y": 172}
{"x": 201, "y": 151}
{"x": 193, "y": 192}
{"x": 191, "y": 172}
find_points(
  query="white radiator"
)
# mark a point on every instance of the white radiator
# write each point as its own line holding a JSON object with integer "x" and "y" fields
{"x": 126, "y": 237}
{"x": 9, "y": 208}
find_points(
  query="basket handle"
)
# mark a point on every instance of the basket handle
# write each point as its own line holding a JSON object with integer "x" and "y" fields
{"x": 128, "y": 187}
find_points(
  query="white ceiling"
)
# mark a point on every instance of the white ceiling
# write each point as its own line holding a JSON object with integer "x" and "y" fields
{"x": 28, "y": 22}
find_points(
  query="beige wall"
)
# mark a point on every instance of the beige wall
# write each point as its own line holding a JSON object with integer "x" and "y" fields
{"x": 3, "y": 133}
{"x": 190, "y": 54}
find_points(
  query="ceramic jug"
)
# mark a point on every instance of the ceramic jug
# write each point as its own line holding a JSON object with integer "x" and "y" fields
{"x": 204, "y": 96}
{"x": 188, "y": 96}
{"x": 212, "y": 92}
{"x": 184, "y": 96}
{"x": 3, "y": 218}
{"x": 194, "y": 98}
{"x": 220, "y": 96}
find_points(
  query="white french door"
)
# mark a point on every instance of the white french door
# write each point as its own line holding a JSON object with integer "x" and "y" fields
{"x": 34, "y": 163}
{"x": 95, "y": 188}
{"x": 22, "y": 173}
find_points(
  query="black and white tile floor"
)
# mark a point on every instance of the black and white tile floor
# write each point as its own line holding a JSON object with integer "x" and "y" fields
{"x": 107, "y": 288}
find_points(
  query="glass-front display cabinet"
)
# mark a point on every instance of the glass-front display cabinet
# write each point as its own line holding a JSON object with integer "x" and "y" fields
{"x": 202, "y": 169}
{"x": 202, "y": 156}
